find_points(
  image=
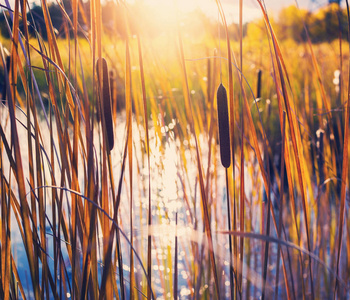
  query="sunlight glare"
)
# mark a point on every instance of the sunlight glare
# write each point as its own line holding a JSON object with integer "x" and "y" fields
{"x": 168, "y": 12}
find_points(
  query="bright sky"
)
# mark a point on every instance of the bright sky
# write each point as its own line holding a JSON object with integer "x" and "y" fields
{"x": 251, "y": 8}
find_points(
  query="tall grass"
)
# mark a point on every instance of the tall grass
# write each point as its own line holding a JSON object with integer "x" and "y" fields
{"x": 100, "y": 204}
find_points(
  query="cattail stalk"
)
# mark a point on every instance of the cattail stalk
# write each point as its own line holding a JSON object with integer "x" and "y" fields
{"x": 225, "y": 155}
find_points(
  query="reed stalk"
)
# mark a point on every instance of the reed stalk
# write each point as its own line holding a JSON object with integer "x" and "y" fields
{"x": 225, "y": 156}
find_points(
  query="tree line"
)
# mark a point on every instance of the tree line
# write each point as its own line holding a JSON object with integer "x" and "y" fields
{"x": 328, "y": 23}
{"x": 324, "y": 25}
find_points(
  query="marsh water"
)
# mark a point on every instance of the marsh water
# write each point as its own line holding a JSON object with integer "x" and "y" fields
{"x": 174, "y": 192}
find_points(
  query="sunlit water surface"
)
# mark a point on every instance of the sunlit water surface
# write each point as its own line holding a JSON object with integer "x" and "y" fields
{"x": 174, "y": 190}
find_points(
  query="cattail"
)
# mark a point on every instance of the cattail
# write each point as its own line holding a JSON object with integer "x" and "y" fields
{"x": 320, "y": 155}
{"x": 224, "y": 128}
{"x": 106, "y": 102}
{"x": 258, "y": 88}
{"x": 4, "y": 87}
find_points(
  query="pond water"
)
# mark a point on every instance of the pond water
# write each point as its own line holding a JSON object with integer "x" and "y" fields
{"x": 174, "y": 191}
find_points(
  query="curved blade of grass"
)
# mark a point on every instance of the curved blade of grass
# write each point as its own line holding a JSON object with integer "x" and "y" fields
{"x": 112, "y": 219}
{"x": 271, "y": 239}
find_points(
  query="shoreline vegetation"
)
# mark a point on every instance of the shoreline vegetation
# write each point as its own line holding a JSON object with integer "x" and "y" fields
{"x": 150, "y": 155}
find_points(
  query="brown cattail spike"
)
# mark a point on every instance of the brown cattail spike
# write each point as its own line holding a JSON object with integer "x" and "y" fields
{"x": 106, "y": 102}
{"x": 4, "y": 87}
{"x": 258, "y": 88}
{"x": 224, "y": 128}
{"x": 320, "y": 156}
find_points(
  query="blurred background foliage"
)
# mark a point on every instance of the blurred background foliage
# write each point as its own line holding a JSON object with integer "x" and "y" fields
{"x": 323, "y": 24}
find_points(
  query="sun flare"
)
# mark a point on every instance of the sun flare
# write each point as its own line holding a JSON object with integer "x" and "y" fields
{"x": 168, "y": 12}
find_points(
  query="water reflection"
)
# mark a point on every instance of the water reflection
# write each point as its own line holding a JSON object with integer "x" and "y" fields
{"x": 174, "y": 189}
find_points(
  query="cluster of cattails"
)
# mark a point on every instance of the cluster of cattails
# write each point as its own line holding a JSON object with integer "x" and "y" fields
{"x": 106, "y": 100}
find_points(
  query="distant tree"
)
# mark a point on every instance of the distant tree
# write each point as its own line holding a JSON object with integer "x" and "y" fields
{"x": 256, "y": 30}
{"x": 3, "y": 24}
{"x": 56, "y": 18}
{"x": 290, "y": 23}
{"x": 36, "y": 22}
{"x": 327, "y": 24}
{"x": 328, "y": 1}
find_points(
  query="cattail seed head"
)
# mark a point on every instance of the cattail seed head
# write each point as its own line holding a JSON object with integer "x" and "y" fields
{"x": 106, "y": 102}
{"x": 6, "y": 69}
{"x": 320, "y": 155}
{"x": 224, "y": 128}
{"x": 258, "y": 88}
